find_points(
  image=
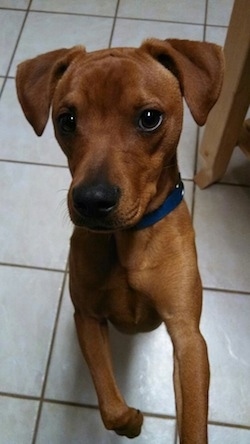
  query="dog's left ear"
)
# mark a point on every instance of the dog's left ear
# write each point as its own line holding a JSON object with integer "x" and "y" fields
{"x": 199, "y": 68}
{"x": 36, "y": 80}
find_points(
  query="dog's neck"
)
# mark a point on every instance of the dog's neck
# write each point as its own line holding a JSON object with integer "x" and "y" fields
{"x": 169, "y": 204}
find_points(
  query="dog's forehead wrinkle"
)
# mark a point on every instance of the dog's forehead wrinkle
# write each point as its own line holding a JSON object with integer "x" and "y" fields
{"x": 118, "y": 53}
{"x": 100, "y": 81}
{"x": 121, "y": 65}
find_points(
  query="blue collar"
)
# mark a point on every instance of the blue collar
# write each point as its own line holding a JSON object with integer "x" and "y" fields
{"x": 171, "y": 202}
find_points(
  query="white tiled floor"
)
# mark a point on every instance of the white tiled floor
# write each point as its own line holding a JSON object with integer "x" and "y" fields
{"x": 46, "y": 395}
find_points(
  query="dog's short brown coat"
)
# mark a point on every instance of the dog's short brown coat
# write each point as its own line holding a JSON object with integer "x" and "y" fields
{"x": 122, "y": 170}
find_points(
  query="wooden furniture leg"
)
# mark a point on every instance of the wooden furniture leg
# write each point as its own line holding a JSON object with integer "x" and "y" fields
{"x": 226, "y": 118}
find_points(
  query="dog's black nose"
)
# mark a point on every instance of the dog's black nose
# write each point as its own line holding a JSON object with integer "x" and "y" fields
{"x": 96, "y": 200}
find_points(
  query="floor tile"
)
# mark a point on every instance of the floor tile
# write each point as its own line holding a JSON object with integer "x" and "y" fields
{"x": 192, "y": 11}
{"x": 92, "y": 32}
{"x": 17, "y": 420}
{"x": 187, "y": 145}
{"x": 35, "y": 225}
{"x": 95, "y": 7}
{"x": 143, "y": 370}
{"x": 144, "y": 367}
{"x": 226, "y": 327}
{"x": 189, "y": 189}
{"x": 216, "y": 34}
{"x": 218, "y": 13}
{"x": 228, "y": 435}
{"x": 66, "y": 424}
{"x": 15, "y": 4}
{"x": 18, "y": 139}
{"x": 69, "y": 380}
{"x": 221, "y": 220}
{"x": 238, "y": 171}
{"x": 10, "y": 25}
{"x": 29, "y": 300}
{"x": 133, "y": 32}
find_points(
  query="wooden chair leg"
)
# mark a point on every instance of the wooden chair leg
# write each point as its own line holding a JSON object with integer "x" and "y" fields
{"x": 226, "y": 118}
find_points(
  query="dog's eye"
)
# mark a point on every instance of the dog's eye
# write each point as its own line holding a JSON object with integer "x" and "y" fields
{"x": 150, "y": 119}
{"x": 67, "y": 122}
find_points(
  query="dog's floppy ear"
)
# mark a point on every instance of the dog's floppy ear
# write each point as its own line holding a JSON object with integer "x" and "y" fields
{"x": 36, "y": 80}
{"x": 199, "y": 68}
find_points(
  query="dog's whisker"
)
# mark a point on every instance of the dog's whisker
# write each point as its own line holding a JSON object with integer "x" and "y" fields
{"x": 63, "y": 207}
{"x": 62, "y": 190}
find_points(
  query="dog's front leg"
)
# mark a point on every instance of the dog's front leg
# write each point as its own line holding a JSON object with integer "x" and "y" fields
{"x": 191, "y": 382}
{"x": 94, "y": 342}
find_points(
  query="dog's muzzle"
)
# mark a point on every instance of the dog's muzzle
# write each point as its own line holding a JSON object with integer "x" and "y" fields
{"x": 95, "y": 204}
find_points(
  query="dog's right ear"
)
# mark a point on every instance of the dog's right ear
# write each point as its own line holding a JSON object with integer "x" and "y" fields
{"x": 36, "y": 80}
{"x": 199, "y": 68}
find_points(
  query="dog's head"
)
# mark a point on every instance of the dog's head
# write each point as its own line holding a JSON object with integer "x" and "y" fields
{"x": 117, "y": 115}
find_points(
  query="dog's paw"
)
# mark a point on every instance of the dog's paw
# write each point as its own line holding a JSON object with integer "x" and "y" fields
{"x": 132, "y": 423}
{"x": 128, "y": 423}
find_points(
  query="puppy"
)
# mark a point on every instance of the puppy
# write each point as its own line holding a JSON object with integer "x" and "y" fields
{"x": 117, "y": 115}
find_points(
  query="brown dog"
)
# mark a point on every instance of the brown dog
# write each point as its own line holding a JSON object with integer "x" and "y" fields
{"x": 117, "y": 115}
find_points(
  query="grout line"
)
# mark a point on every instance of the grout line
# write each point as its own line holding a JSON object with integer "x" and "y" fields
{"x": 31, "y": 267}
{"x": 229, "y": 184}
{"x": 4, "y": 8}
{"x": 117, "y": 16}
{"x": 55, "y": 270}
{"x": 114, "y": 16}
{"x": 50, "y": 356}
{"x": 222, "y": 290}
{"x": 187, "y": 179}
{"x": 19, "y": 396}
{"x": 205, "y": 21}
{"x": 76, "y": 14}
{"x": 230, "y": 426}
{"x": 16, "y": 45}
{"x": 161, "y": 21}
{"x": 24, "y": 162}
{"x": 7, "y": 77}
{"x": 114, "y": 23}
{"x": 71, "y": 404}
{"x": 158, "y": 416}
{"x": 95, "y": 407}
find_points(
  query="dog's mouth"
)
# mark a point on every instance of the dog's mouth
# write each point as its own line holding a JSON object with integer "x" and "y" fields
{"x": 105, "y": 224}
{"x": 97, "y": 225}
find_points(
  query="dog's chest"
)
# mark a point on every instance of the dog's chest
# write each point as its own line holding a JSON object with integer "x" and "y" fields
{"x": 107, "y": 283}
{"x": 127, "y": 308}
{"x": 115, "y": 299}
